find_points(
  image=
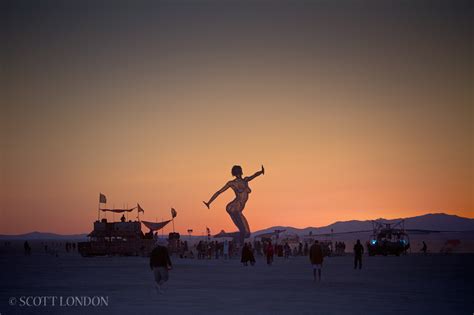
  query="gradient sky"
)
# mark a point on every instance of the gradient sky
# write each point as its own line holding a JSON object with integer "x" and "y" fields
{"x": 357, "y": 111}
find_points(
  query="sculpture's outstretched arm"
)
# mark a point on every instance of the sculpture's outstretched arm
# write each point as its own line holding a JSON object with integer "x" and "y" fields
{"x": 249, "y": 178}
{"x": 220, "y": 191}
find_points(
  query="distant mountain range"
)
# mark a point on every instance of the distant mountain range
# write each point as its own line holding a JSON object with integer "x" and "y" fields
{"x": 43, "y": 235}
{"x": 432, "y": 221}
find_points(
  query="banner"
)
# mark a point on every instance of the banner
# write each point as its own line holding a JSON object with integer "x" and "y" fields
{"x": 102, "y": 198}
{"x": 118, "y": 210}
{"x": 155, "y": 226}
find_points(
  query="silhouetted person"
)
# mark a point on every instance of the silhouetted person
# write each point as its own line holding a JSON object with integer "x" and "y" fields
{"x": 241, "y": 189}
{"x": 287, "y": 250}
{"x": 279, "y": 250}
{"x": 424, "y": 249}
{"x": 122, "y": 218}
{"x": 226, "y": 249}
{"x": 269, "y": 253}
{"x": 358, "y": 251}
{"x": 199, "y": 249}
{"x": 160, "y": 263}
{"x": 27, "y": 248}
{"x": 316, "y": 258}
{"x": 247, "y": 255}
{"x": 252, "y": 254}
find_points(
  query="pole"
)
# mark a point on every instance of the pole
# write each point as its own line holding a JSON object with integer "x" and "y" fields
{"x": 172, "y": 220}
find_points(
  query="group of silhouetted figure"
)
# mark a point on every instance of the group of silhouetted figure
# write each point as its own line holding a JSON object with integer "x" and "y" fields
{"x": 247, "y": 255}
{"x": 160, "y": 261}
{"x": 207, "y": 249}
{"x": 340, "y": 248}
{"x": 70, "y": 247}
{"x": 53, "y": 248}
{"x": 215, "y": 250}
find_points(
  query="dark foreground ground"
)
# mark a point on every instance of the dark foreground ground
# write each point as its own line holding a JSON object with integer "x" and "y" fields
{"x": 412, "y": 284}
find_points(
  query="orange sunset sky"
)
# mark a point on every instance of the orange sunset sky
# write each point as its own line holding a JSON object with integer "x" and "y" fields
{"x": 355, "y": 112}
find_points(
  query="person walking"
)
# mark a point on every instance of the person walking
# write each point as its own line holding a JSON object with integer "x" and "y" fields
{"x": 316, "y": 258}
{"x": 269, "y": 253}
{"x": 160, "y": 264}
{"x": 358, "y": 251}
{"x": 424, "y": 249}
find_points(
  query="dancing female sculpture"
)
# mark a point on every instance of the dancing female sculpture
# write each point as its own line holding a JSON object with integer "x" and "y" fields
{"x": 241, "y": 188}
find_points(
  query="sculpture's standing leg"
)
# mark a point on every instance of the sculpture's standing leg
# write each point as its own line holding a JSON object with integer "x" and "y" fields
{"x": 241, "y": 222}
{"x": 245, "y": 224}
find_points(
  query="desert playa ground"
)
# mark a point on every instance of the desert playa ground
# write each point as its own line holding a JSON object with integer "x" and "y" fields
{"x": 413, "y": 284}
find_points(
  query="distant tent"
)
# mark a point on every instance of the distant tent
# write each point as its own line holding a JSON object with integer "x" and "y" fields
{"x": 222, "y": 233}
{"x": 229, "y": 236}
{"x": 118, "y": 210}
{"x": 269, "y": 234}
{"x": 155, "y": 226}
{"x": 265, "y": 235}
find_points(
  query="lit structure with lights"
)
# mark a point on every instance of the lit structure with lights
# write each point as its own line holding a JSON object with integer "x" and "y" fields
{"x": 388, "y": 239}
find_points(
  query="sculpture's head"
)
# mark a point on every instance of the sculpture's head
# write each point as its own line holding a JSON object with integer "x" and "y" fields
{"x": 237, "y": 171}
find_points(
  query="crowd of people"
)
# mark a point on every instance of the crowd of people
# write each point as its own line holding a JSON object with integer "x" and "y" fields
{"x": 160, "y": 261}
{"x": 215, "y": 250}
{"x": 225, "y": 249}
{"x": 52, "y": 248}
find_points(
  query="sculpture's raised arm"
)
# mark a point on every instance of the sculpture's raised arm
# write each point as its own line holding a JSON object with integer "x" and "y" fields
{"x": 261, "y": 172}
{"x": 220, "y": 191}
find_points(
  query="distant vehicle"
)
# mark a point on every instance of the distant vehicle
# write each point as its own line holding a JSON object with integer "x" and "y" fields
{"x": 388, "y": 239}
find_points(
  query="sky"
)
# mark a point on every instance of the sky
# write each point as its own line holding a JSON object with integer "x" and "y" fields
{"x": 356, "y": 110}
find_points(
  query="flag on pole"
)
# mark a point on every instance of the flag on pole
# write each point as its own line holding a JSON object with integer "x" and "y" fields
{"x": 102, "y": 198}
{"x": 173, "y": 213}
{"x": 140, "y": 209}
